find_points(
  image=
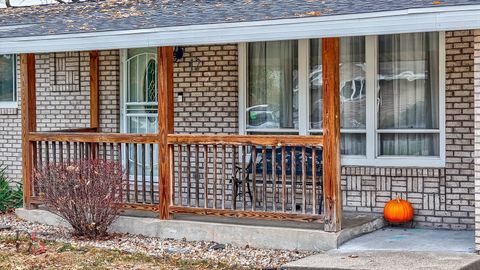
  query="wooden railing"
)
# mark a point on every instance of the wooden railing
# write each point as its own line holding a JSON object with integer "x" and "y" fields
{"x": 137, "y": 152}
{"x": 267, "y": 177}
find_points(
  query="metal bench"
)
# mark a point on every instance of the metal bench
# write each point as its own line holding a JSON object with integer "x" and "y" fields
{"x": 265, "y": 167}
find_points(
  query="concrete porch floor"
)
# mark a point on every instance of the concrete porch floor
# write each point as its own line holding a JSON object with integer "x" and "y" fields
{"x": 397, "y": 248}
{"x": 235, "y": 231}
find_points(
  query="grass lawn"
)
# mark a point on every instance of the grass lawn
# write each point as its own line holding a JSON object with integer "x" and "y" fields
{"x": 65, "y": 256}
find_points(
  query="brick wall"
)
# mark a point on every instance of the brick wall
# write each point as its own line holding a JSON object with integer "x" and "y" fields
{"x": 477, "y": 136}
{"x": 207, "y": 78}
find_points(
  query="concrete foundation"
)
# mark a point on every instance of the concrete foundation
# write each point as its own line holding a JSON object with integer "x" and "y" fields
{"x": 256, "y": 234}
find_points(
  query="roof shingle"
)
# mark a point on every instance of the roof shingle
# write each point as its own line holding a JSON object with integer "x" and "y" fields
{"x": 111, "y": 15}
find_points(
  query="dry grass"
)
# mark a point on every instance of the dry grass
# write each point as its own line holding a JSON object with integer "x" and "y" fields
{"x": 67, "y": 256}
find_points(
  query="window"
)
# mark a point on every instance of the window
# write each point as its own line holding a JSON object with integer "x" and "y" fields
{"x": 408, "y": 102}
{"x": 8, "y": 93}
{"x": 352, "y": 93}
{"x": 272, "y": 90}
{"x": 391, "y": 95}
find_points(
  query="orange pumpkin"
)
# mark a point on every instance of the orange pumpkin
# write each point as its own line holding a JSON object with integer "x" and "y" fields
{"x": 398, "y": 211}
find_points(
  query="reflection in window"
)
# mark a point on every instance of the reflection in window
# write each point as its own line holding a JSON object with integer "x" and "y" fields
{"x": 352, "y": 93}
{"x": 272, "y": 90}
{"x": 408, "y": 94}
{"x": 7, "y": 78}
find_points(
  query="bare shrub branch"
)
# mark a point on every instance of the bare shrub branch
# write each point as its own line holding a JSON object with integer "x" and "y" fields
{"x": 85, "y": 193}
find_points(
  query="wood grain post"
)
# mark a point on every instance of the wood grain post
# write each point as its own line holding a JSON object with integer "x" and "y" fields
{"x": 29, "y": 121}
{"x": 331, "y": 134}
{"x": 94, "y": 98}
{"x": 94, "y": 91}
{"x": 165, "y": 127}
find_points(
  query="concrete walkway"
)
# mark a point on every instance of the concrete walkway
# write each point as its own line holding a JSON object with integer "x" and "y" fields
{"x": 391, "y": 260}
{"x": 396, "y": 248}
{"x": 413, "y": 240}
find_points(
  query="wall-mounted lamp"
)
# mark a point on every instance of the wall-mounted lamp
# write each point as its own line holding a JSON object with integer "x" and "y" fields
{"x": 178, "y": 53}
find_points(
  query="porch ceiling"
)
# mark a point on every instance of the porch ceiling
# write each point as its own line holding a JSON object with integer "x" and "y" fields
{"x": 121, "y": 24}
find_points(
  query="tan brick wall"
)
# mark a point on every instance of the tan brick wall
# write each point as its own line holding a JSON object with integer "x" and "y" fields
{"x": 477, "y": 136}
{"x": 207, "y": 77}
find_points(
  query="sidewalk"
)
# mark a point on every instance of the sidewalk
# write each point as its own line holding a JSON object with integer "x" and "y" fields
{"x": 396, "y": 248}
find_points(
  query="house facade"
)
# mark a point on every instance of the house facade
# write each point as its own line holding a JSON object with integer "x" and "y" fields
{"x": 407, "y": 112}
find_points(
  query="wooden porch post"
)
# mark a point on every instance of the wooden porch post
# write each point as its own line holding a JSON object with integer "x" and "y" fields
{"x": 29, "y": 121}
{"x": 165, "y": 126}
{"x": 331, "y": 133}
{"x": 94, "y": 91}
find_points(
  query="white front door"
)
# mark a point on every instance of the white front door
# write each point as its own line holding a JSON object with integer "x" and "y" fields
{"x": 139, "y": 103}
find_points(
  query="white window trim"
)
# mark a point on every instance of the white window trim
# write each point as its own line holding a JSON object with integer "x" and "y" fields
{"x": 12, "y": 104}
{"x": 371, "y": 158}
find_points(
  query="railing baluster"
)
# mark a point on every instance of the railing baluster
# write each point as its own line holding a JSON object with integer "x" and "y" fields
{"x": 68, "y": 153}
{"x": 314, "y": 180}
{"x": 127, "y": 165}
{"x": 197, "y": 176}
{"x": 180, "y": 173}
{"x": 264, "y": 176}
{"x": 60, "y": 148}
{"x": 144, "y": 176}
{"x": 189, "y": 176}
{"x": 234, "y": 178}
{"x": 304, "y": 181}
{"x": 47, "y": 154}
{"x": 54, "y": 150}
{"x": 284, "y": 180}
{"x": 152, "y": 193}
{"x": 224, "y": 174}
{"x": 244, "y": 177}
{"x": 274, "y": 179}
{"x": 254, "y": 176}
{"x": 80, "y": 151}
{"x": 104, "y": 151}
{"x": 40, "y": 155}
{"x": 112, "y": 152}
{"x": 215, "y": 176}
{"x": 75, "y": 151}
{"x": 205, "y": 175}
{"x": 135, "y": 171}
{"x": 294, "y": 184}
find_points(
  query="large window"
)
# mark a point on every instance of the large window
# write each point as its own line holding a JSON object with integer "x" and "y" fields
{"x": 408, "y": 96}
{"x": 8, "y": 92}
{"x": 391, "y": 95}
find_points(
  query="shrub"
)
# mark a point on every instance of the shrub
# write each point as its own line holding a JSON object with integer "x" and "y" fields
{"x": 10, "y": 196}
{"x": 85, "y": 193}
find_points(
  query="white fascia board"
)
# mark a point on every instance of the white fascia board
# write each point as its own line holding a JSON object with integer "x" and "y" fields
{"x": 389, "y": 22}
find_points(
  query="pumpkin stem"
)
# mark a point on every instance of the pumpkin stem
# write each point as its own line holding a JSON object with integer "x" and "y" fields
{"x": 398, "y": 198}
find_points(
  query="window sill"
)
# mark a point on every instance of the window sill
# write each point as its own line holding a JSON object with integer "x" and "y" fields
{"x": 411, "y": 162}
{"x": 8, "y": 108}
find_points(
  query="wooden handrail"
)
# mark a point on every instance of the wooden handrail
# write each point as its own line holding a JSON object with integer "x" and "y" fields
{"x": 261, "y": 140}
{"x": 93, "y": 137}
{"x": 83, "y": 130}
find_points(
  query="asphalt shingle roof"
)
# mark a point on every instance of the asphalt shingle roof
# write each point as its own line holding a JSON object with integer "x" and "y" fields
{"x": 110, "y": 15}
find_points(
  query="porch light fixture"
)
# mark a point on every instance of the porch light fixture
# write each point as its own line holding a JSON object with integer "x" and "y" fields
{"x": 178, "y": 53}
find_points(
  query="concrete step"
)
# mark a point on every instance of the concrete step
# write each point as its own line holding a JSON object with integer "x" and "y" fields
{"x": 255, "y": 233}
{"x": 391, "y": 260}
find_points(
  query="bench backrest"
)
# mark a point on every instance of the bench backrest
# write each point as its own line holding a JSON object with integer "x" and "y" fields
{"x": 257, "y": 162}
